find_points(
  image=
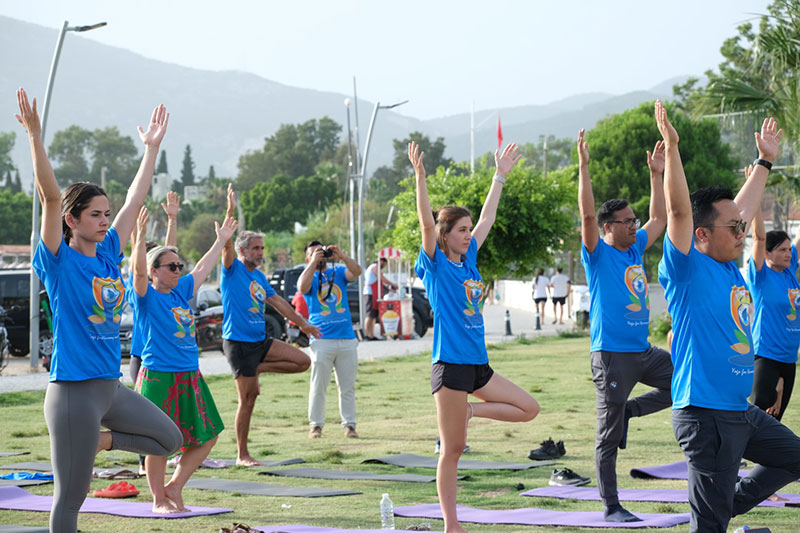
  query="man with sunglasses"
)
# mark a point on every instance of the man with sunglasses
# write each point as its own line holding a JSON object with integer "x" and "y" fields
{"x": 621, "y": 355}
{"x": 247, "y": 347}
{"x": 713, "y": 345}
{"x": 325, "y": 291}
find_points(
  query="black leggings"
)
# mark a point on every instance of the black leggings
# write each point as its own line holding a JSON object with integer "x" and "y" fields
{"x": 767, "y": 372}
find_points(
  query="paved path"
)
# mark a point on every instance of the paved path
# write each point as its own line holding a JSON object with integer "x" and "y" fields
{"x": 16, "y": 377}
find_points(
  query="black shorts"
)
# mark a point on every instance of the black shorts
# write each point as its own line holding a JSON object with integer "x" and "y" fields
{"x": 369, "y": 310}
{"x": 468, "y": 378}
{"x": 539, "y": 300}
{"x": 559, "y": 300}
{"x": 244, "y": 357}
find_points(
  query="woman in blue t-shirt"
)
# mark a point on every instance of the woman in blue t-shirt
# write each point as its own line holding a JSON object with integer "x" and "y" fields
{"x": 447, "y": 265}
{"x": 170, "y": 375}
{"x": 77, "y": 260}
{"x": 776, "y": 325}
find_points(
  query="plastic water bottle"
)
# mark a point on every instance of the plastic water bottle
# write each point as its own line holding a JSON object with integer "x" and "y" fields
{"x": 387, "y": 512}
{"x": 742, "y": 529}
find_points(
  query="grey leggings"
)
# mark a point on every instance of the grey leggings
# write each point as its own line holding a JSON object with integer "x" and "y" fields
{"x": 74, "y": 412}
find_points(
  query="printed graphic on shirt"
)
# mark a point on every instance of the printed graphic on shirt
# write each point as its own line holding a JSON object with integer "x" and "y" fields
{"x": 636, "y": 282}
{"x": 794, "y": 301}
{"x": 742, "y": 313}
{"x": 108, "y": 297}
{"x": 333, "y": 300}
{"x": 257, "y": 297}
{"x": 474, "y": 290}
{"x": 185, "y": 321}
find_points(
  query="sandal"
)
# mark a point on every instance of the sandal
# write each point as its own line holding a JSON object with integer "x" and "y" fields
{"x": 239, "y": 528}
{"x": 122, "y": 489}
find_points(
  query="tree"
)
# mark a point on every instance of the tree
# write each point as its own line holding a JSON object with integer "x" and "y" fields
{"x": 535, "y": 217}
{"x": 9, "y": 184}
{"x": 17, "y": 182}
{"x": 117, "y": 153}
{"x": 6, "y": 145}
{"x": 385, "y": 183}
{"x": 187, "y": 171}
{"x": 195, "y": 240}
{"x": 292, "y": 151}
{"x": 277, "y": 204}
{"x": 162, "y": 163}
{"x": 559, "y": 154}
{"x": 15, "y": 217}
{"x": 68, "y": 151}
{"x": 212, "y": 176}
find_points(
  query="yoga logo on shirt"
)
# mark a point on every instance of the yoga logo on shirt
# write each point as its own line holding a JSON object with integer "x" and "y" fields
{"x": 185, "y": 321}
{"x": 333, "y": 300}
{"x": 636, "y": 282}
{"x": 257, "y": 297}
{"x": 742, "y": 313}
{"x": 474, "y": 290}
{"x": 794, "y": 301}
{"x": 108, "y": 299}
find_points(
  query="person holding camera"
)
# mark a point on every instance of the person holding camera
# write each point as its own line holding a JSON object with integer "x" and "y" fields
{"x": 325, "y": 290}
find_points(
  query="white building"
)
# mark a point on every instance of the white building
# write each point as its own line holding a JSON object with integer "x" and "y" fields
{"x": 162, "y": 184}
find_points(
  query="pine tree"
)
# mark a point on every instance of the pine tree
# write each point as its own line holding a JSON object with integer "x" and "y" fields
{"x": 187, "y": 172}
{"x": 162, "y": 163}
{"x": 212, "y": 176}
{"x": 17, "y": 183}
{"x": 9, "y": 184}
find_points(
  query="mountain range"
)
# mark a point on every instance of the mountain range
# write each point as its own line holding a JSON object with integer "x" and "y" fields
{"x": 222, "y": 114}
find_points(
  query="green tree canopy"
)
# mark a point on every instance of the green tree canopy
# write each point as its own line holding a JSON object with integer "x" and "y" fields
{"x": 69, "y": 151}
{"x": 162, "y": 163}
{"x": 74, "y": 148}
{"x": 15, "y": 217}
{"x": 6, "y": 145}
{"x": 277, "y": 204}
{"x": 187, "y": 170}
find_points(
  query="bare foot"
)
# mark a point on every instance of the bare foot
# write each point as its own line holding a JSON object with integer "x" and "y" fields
{"x": 104, "y": 442}
{"x": 247, "y": 461}
{"x": 456, "y": 529}
{"x": 175, "y": 496}
{"x": 776, "y": 498}
{"x": 164, "y": 507}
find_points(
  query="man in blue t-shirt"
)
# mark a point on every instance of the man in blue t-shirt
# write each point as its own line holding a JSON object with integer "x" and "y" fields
{"x": 325, "y": 292}
{"x": 247, "y": 347}
{"x": 712, "y": 348}
{"x": 620, "y": 316}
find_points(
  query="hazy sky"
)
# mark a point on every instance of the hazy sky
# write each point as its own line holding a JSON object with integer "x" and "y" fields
{"x": 441, "y": 55}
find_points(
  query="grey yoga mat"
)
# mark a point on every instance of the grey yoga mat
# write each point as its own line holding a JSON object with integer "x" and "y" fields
{"x": 23, "y": 529}
{"x": 23, "y": 483}
{"x": 9, "y": 454}
{"x": 420, "y": 461}
{"x": 32, "y": 466}
{"x": 261, "y": 489}
{"x": 318, "y": 473}
{"x": 103, "y": 473}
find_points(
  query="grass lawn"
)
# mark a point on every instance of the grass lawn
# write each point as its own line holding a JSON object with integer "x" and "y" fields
{"x": 396, "y": 415}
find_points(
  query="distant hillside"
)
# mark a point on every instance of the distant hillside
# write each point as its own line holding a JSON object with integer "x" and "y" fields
{"x": 224, "y": 114}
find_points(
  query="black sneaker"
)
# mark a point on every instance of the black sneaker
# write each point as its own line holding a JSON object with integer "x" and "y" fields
{"x": 547, "y": 450}
{"x": 566, "y": 477}
{"x": 560, "y": 447}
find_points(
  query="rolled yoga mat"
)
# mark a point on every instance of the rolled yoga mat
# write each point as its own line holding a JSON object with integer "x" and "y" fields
{"x": 318, "y": 473}
{"x": 16, "y": 499}
{"x": 640, "y": 495}
{"x": 420, "y": 461}
{"x": 541, "y": 517}
{"x": 261, "y": 489}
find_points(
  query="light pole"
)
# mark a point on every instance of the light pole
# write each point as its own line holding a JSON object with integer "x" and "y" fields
{"x": 472, "y": 128}
{"x": 351, "y": 176}
{"x": 33, "y": 341}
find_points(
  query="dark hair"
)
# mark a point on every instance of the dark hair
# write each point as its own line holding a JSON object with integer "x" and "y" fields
{"x": 383, "y": 260}
{"x": 541, "y": 272}
{"x": 775, "y": 238}
{"x": 446, "y": 218}
{"x": 559, "y": 269}
{"x": 312, "y": 243}
{"x": 74, "y": 200}
{"x": 703, "y": 211}
{"x": 606, "y": 212}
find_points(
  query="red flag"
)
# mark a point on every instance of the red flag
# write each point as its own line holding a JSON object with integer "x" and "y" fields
{"x": 499, "y": 133}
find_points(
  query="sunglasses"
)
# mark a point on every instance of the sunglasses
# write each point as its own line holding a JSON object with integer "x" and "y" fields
{"x": 736, "y": 228}
{"x": 634, "y": 223}
{"x": 173, "y": 267}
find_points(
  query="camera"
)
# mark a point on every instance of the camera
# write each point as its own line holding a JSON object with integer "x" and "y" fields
{"x": 327, "y": 252}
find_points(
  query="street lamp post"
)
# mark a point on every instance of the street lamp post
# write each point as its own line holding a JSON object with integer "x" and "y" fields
{"x": 34, "y": 280}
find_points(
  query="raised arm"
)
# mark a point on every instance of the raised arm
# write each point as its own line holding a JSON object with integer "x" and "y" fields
{"x": 229, "y": 252}
{"x": 353, "y": 268}
{"x": 286, "y": 309}
{"x": 207, "y": 263}
{"x": 590, "y": 233}
{"x": 427, "y": 225}
{"x": 46, "y": 184}
{"x": 749, "y": 198}
{"x": 306, "y": 279}
{"x": 680, "y": 225}
{"x": 139, "y": 253}
{"x": 126, "y": 218}
{"x": 171, "y": 208}
{"x": 504, "y": 164}
{"x": 658, "y": 209}
{"x": 759, "y": 233}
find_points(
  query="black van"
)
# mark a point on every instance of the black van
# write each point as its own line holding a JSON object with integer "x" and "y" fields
{"x": 15, "y": 297}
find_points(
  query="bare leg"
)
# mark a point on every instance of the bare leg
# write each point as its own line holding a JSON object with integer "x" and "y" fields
{"x": 156, "y": 467}
{"x": 248, "y": 390}
{"x": 369, "y": 327}
{"x": 192, "y": 457}
{"x": 104, "y": 443}
{"x": 451, "y": 413}
{"x": 555, "y": 312}
{"x": 503, "y": 400}
{"x": 283, "y": 358}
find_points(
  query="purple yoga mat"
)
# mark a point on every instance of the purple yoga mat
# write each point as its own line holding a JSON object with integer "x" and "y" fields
{"x": 16, "y": 499}
{"x": 541, "y": 517}
{"x": 313, "y": 529}
{"x": 679, "y": 470}
{"x": 638, "y": 495}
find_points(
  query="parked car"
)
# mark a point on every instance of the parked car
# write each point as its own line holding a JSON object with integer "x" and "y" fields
{"x": 15, "y": 298}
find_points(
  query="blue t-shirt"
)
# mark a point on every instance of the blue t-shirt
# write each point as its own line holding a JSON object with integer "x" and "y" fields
{"x": 330, "y": 310}
{"x": 711, "y": 312}
{"x": 137, "y": 335}
{"x": 168, "y": 327}
{"x": 619, "y": 311}
{"x": 243, "y": 297}
{"x": 776, "y": 296}
{"x": 456, "y": 293}
{"x": 86, "y": 297}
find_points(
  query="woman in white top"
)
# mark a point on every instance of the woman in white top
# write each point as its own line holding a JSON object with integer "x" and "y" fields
{"x": 540, "y": 285}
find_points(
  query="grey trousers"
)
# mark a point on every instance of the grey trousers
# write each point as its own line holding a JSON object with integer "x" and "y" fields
{"x": 74, "y": 412}
{"x": 341, "y": 357}
{"x": 714, "y": 443}
{"x": 614, "y": 375}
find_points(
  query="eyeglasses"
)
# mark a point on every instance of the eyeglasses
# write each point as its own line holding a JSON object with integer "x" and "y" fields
{"x": 634, "y": 223}
{"x": 173, "y": 267}
{"x": 738, "y": 226}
